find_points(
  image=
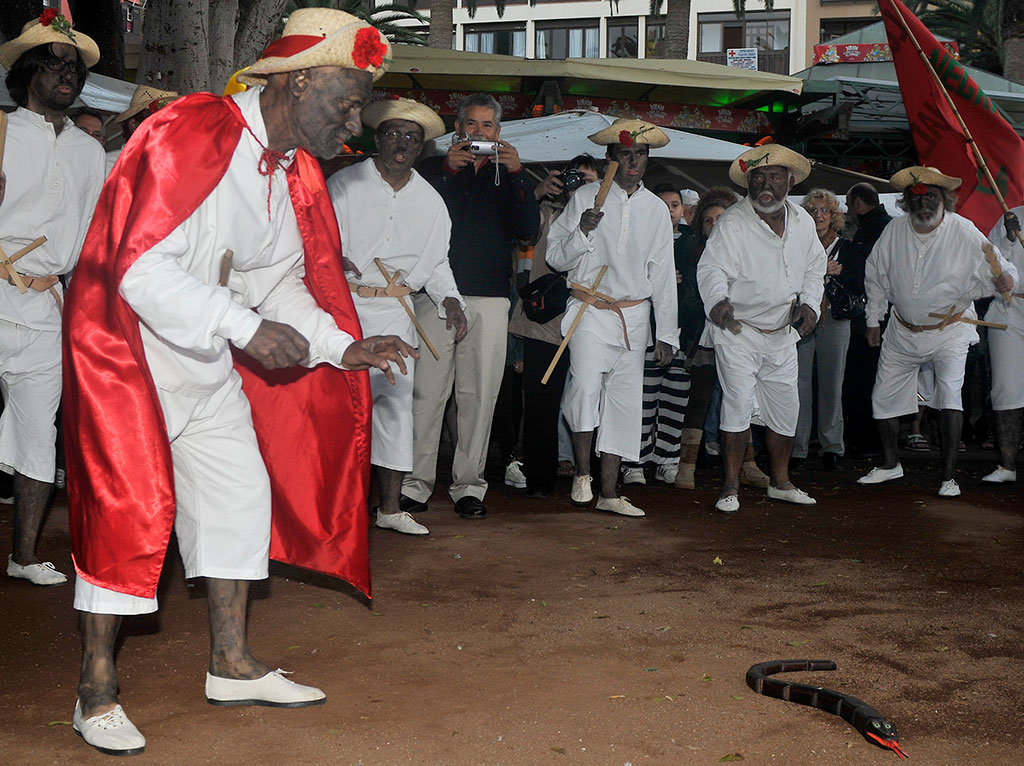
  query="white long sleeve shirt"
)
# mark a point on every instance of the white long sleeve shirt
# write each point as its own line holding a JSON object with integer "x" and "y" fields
{"x": 1013, "y": 251}
{"x": 921, "y": 274}
{"x": 53, "y": 182}
{"x": 408, "y": 230}
{"x": 634, "y": 240}
{"x": 761, "y": 273}
{"x": 187, "y": 321}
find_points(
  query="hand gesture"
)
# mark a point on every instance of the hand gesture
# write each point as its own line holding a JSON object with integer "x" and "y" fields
{"x": 509, "y": 156}
{"x": 276, "y": 345}
{"x": 873, "y": 336}
{"x": 721, "y": 313}
{"x": 663, "y": 354}
{"x": 459, "y": 155}
{"x": 833, "y": 268}
{"x": 1003, "y": 283}
{"x": 589, "y": 221}
{"x": 456, "y": 318}
{"x": 1011, "y": 224}
{"x": 550, "y": 186}
{"x": 379, "y": 351}
{"x": 804, "y": 319}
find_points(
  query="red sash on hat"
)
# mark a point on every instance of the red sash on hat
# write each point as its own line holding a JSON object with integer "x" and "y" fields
{"x": 312, "y": 425}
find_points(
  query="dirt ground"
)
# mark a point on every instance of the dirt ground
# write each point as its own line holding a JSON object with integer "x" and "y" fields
{"x": 550, "y": 635}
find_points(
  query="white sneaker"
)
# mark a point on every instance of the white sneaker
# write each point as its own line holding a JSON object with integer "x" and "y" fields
{"x": 110, "y": 733}
{"x": 272, "y": 690}
{"x": 619, "y": 505}
{"x": 667, "y": 473}
{"x": 581, "y": 493}
{"x": 514, "y": 476}
{"x": 728, "y": 504}
{"x": 949, "y": 488}
{"x": 400, "y": 522}
{"x": 43, "y": 573}
{"x": 634, "y": 475}
{"x": 1000, "y": 476}
{"x": 713, "y": 448}
{"x": 792, "y": 495}
{"x": 879, "y": 475}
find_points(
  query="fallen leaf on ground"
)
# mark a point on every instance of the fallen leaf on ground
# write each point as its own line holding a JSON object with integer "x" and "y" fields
{"x": 559, "y": 750}
{"x": 730, "y": 757}
{"x": 797, "y": 643}
{"x": 59, "y": 723}
{"x": 718, "y": 560}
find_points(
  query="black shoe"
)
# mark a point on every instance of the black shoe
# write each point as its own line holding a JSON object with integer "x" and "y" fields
{"x": 539, "y": 493}
{"x": 796, "y": 463}
{"x": 410, "y": 505}
{"x": 830, "y": 461}
{"x": 470, "y": 507}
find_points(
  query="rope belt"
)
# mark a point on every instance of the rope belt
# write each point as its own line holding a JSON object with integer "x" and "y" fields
{"x": 606, "y": 303}
{"x": 391, "y": 291}
{"x": 39, "y": 284}
{"x": 923, "y": 327}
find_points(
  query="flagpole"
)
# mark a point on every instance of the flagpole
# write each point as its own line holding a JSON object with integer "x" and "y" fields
{"x": 967, "y": 133}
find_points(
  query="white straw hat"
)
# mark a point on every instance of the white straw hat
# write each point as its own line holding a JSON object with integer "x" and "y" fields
{"x": 56, "y": 29}
{"x": 397, "y": 108}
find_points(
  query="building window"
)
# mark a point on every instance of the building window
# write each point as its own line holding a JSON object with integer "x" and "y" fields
{"x": 656, "y": 38}
{"x": 833, "y": 28}
{"x": 567, "y": 42}
{"x": 767, "y": 32}
{"x": 510, "y": 41}
{"x": 622, "y": 36}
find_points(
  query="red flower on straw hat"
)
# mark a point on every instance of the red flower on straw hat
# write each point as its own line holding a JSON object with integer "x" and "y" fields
{"x": 919, "y": 188}
{"x": 625, "y": 138}
{"x": 48, "y": 15}
{"x": 368, "y": 49}
{"x": 51, "y": 17}
{"x": 743, "y": 166}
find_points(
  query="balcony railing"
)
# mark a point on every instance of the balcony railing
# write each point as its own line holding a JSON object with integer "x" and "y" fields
{"x": 776, "y": 62}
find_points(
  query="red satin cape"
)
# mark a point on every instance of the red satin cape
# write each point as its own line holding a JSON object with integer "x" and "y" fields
{"x": 313, "y": 426}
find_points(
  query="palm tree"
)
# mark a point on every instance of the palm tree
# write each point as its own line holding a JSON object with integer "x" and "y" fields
{"x": 384, "y": 16}
{"x": 1013, "y": 39}
{"x": 677, "y": 26}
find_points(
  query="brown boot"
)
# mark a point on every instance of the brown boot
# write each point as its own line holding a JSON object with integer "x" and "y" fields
{"x": 750, "y": 474}
{"x": 688, "y": 448}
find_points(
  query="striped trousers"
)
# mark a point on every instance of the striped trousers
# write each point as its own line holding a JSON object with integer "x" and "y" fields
{"x": 666, "y": 391}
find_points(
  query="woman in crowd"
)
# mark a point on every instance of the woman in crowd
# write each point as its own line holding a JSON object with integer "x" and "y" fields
{"x": 827, "y": 345}
{"x": 701, "y": 360}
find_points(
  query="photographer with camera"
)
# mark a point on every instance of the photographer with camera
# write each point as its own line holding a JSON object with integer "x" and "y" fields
{"x": 491, "y": 203}
{"x": 537, "y": 318}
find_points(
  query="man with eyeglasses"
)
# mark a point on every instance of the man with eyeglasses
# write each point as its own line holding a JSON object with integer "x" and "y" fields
{"x": 388, "y": 213}
{"x": 930, "y": 267}
{"x": 54, "y": 173}
{"x": 761, "y": 279}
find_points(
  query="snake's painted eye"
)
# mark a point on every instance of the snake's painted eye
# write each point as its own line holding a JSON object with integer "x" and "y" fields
{"x": 888, "y": 725}
{"x": 876, "y": 724}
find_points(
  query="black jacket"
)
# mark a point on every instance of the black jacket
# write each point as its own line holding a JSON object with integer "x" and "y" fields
{"x": 486, "y": 220}
{"x": 869, "y": 229}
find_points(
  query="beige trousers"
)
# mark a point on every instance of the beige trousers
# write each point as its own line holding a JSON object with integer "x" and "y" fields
{"x": 474, "y": 367}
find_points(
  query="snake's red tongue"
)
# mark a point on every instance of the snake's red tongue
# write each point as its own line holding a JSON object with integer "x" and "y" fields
{"x": 889, "y": 745}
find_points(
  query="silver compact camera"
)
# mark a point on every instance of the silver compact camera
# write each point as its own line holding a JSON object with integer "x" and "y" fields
{"x": 484, "y": 148}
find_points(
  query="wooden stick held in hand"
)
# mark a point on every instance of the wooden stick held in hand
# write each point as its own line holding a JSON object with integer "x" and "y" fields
{"x": 225, "y": 267}
{"x": 606, "y": 185}
{"x": 412, "y": 315}
{"x": 994, "y": 267}
{"x": 572, "y": 328}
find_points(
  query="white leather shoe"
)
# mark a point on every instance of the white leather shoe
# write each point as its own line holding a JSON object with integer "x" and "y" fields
{"x": 793, "y": 495}
{"x": 634, "y": 475}
{"x": 42, "y": 573}
{"x": 728, "y": 504}
{"x": 110, "y": 733}
{"x": 581, "y": 493}
{"x": 400, "y": 522}
{"x": 949, "y": 488}
{"x": 272, "y": 690}
{"x": 879, "y": 475}
{"x": 1000, "y": 476}
{"x": 619, "y": 505}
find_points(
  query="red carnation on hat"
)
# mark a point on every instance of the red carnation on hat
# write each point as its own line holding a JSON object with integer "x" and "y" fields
{"x": 625, "y": 138}
{"x": 919, "y": 188}
{"x": 743, "y": 166}
{"x": 368, "y": 49}
{"x": 48, "y": 15}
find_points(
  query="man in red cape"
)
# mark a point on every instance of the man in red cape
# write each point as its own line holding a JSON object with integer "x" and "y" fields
{"x": 215, "y": 230}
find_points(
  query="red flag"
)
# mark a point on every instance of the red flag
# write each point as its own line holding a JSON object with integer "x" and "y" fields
{"x": 939, "y": 139}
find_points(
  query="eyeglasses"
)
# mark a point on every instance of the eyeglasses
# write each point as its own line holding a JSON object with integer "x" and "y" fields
{"x": 55, "y": 64}
{"x": 819, "y": 211}
{"x": 394, "y": 135}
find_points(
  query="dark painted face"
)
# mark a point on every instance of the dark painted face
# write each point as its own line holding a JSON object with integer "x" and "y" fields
{"x": 399, "y": 143}
{"x": 632, "y": 163}
{"x": 331, "y": 100}
{"x": 56, "y": 85}
{"x": 926, "y": 209}
{"x": 768, "y": 187}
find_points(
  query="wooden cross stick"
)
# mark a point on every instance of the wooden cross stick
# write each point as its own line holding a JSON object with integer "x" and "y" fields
{"x": 572, "y": 328}
{"x": 28, "y": 248}
{"x": 968, "y": 320}
{"x": 391, "y": 279}
{"x": 606, "y": 185}
{"x": 993, "y": 266}
{"x": 225, "y": 267}
{"x": 592, "y": 291}
{"x": 12, "y": 273}
{"x": 947, "y": 317}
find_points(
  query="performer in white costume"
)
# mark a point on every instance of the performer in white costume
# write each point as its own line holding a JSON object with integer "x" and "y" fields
{"x": 387, "y": 211}
{"x": 632, "y": 238}
{"x": 929, "y": 262}
{"x": 761, "y": 279}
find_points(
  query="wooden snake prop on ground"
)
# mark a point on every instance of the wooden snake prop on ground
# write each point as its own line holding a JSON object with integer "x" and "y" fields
{"x": 873, "y": 725}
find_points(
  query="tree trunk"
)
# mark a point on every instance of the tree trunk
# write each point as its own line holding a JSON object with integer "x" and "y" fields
{"x": 441, "y": 25}
{"x": 223, "y": 23}
{"x": 677, "y": 29}
{"x": 102, "y": 21}
{"x": 175, "y": 46}
{"x": 1013, "y": 40}
{"x": 257, "y": 26}
{"x": 15, "y": 14}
